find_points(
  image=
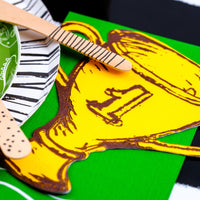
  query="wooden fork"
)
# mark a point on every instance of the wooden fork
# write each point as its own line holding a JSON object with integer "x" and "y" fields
{"x": 11, "y": 14}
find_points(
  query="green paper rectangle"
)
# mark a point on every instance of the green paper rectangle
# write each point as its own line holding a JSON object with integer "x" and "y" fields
{"x": 129, "y": 174}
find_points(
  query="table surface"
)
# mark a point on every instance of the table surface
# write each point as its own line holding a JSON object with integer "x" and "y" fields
{"x": 169, "y": 18}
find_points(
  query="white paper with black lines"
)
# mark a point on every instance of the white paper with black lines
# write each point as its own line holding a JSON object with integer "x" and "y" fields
{"x": 37, "y": 69}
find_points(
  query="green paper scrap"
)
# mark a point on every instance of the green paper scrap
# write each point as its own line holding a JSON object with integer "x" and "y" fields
{"x": 112, "y": 174}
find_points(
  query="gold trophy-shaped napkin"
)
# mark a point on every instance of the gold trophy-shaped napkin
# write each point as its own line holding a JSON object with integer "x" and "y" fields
{"x": 101, "y": 108}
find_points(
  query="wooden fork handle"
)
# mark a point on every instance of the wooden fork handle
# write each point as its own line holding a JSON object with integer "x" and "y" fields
{"x": 14, "y": 15}
{"x": 13, "y": 142}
